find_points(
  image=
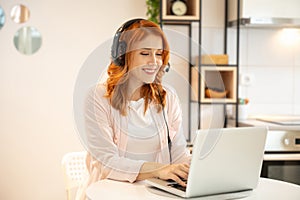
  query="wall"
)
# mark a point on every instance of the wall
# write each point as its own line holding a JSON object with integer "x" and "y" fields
{"x": 36, "y": 120}
{"x": 271, "y": 58}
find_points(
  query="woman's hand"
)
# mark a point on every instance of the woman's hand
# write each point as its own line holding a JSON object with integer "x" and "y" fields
{"x": 176, "y": 172}
{"x": 160, "y": 74}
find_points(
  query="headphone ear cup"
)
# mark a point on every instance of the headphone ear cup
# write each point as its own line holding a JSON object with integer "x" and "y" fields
{"x": 167, "y": 69}
{"x": 114, "y": 48}
{"x": 118, "y": 48}
{"x": 120, "y": 60}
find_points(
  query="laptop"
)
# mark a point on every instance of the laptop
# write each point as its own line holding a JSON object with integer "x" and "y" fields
{"x": 225, "y": 163}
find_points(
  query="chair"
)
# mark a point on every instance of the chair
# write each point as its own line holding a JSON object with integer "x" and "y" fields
{"x": 74, "y": 171}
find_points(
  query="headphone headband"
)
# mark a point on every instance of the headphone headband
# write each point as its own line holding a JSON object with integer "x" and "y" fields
{"x": 127, "y": 24}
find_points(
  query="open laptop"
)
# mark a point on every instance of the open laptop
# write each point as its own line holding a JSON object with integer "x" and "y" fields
{"x": 225, "y": 162}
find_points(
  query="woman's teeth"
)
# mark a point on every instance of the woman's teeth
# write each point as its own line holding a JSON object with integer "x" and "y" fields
{"x": 150, "y": 70}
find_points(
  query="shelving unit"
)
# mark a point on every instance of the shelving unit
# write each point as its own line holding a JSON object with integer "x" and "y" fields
{"x": 218, "y": 79}
{"x": 193, "y": 15}
{"x": 222, "y": 75}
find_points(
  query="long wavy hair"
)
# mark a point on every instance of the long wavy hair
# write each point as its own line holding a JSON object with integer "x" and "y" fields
{"x": 116, "y": 84}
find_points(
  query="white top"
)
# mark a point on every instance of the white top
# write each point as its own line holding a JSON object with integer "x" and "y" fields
{"x": 143, "y": 137}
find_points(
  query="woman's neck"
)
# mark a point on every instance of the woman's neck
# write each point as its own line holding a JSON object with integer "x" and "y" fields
{"x": 134, "y": 89}
{"x": 135, "y": 95}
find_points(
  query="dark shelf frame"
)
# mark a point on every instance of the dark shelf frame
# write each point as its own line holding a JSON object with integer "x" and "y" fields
{"x": 237, "y": 64}
{"x": 226, "y": 26}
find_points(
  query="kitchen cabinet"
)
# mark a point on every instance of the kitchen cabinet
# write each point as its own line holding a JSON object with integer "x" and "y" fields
{"x": 282, "y": 148}
{"x": 265, "y": 13}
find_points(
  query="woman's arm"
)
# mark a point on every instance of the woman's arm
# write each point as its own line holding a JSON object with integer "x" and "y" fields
{"x": 101, "y": 141}
{"x": 176, "y": 172}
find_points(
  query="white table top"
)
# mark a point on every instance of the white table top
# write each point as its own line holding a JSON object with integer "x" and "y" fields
{"x": 267, "y": 189}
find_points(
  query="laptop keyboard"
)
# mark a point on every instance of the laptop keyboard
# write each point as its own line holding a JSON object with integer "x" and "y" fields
{"x": 177, "y": 186}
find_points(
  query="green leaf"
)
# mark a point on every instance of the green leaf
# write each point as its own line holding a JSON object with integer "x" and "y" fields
{"x": 153, "y": 11}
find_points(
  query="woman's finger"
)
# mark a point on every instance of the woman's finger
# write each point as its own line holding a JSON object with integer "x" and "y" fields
{"x": 178, "y": 180}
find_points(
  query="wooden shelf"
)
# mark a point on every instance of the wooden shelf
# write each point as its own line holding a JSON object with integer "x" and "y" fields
{"x": 214, "y": 65}
{"x": 223, "y": 78}
{"x": 192, "y": 14}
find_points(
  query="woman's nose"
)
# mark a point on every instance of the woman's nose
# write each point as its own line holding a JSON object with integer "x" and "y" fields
{"x": 152, "y": 59}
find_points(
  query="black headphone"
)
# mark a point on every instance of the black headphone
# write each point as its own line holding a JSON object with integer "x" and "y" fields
{"x": 118, "y": 48}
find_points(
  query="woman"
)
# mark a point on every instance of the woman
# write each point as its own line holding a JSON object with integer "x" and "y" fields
{"x": 133, "y": 123}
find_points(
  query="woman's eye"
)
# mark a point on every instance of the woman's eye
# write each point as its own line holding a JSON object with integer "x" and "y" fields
{"x": 144, "y": 53}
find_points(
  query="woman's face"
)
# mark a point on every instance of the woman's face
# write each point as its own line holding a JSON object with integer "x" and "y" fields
{"x": 146, "y": 60}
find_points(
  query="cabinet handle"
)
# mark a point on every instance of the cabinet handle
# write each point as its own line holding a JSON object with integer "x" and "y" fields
{"x": 282, "y": 157}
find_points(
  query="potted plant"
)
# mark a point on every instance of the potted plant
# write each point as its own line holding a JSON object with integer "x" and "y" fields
{"x": 153, "y": 7}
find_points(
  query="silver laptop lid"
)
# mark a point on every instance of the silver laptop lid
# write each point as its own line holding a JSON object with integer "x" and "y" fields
{"x": 226, "y": 160}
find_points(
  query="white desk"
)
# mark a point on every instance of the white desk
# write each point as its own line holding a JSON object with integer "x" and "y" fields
{"x": 267, "y": 189}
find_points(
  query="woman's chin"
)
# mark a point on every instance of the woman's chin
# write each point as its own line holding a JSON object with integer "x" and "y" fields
{"x": 149, "y": 81}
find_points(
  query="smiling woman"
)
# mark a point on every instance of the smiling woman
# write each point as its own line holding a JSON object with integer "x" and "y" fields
{"x": 133, "y": 122}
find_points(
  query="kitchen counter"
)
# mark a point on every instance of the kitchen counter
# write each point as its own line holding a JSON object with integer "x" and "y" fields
{"x": 273, "y": 122}
{"x": 280, "y": 137}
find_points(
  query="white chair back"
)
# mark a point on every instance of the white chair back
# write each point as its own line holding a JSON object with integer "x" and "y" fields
{"x": 74, "y": 170}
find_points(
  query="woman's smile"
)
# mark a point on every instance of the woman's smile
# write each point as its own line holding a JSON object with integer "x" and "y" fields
{"x": 150, "y": 70}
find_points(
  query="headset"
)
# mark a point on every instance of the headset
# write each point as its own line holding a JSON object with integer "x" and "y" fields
{"x": 118, "y": 50}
